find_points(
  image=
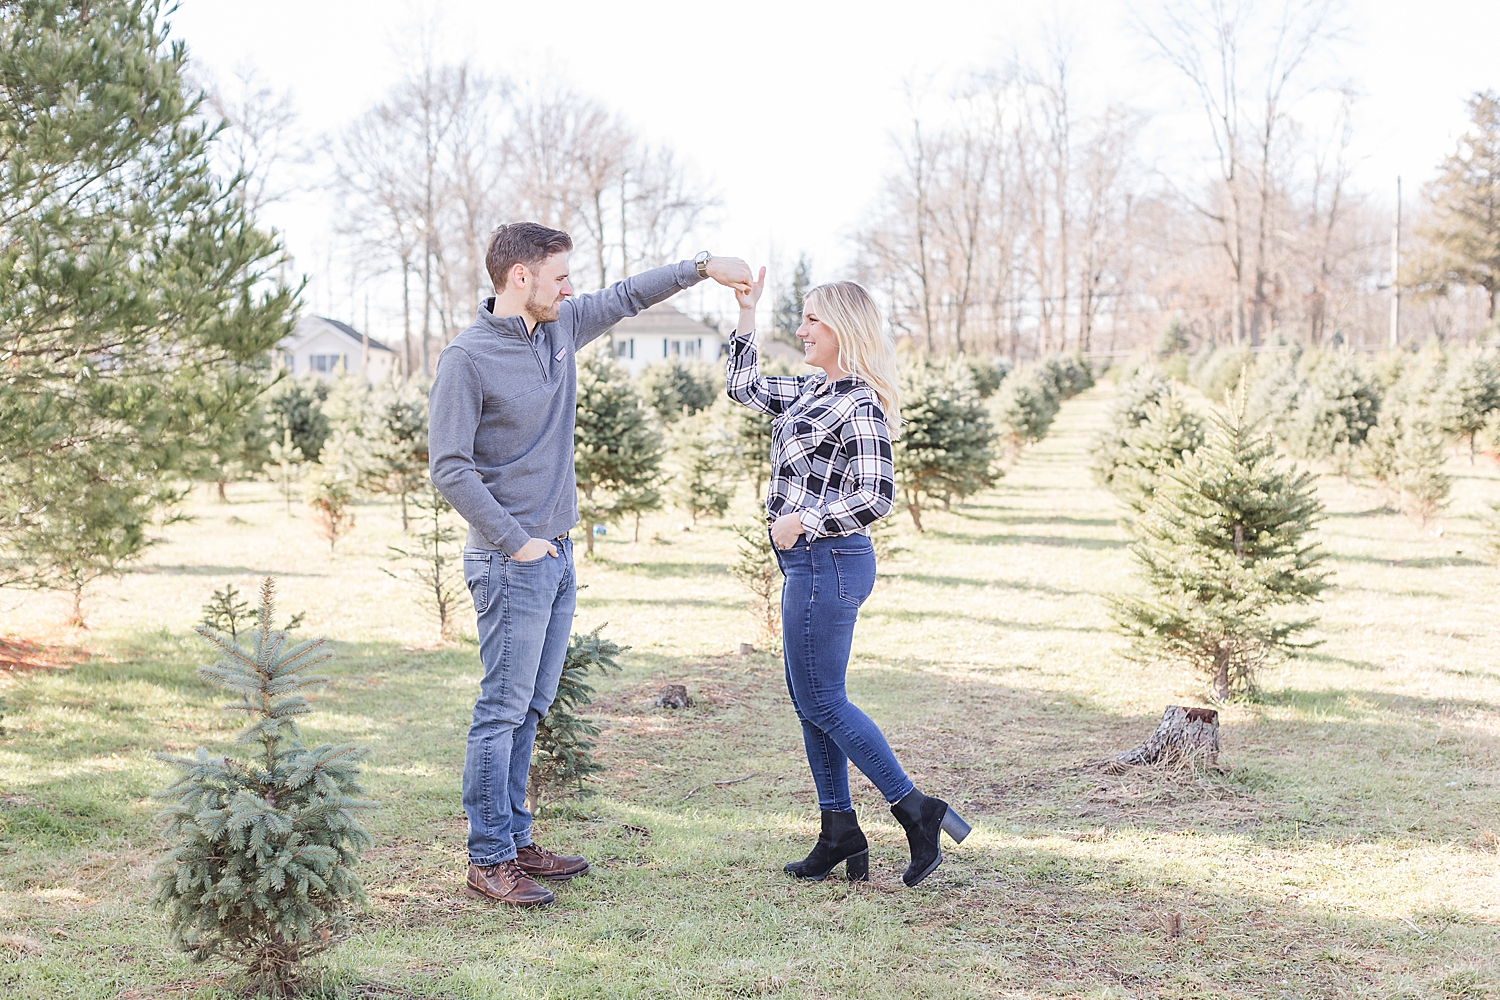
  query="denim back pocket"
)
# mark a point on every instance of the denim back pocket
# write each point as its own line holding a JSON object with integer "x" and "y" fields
{"x": 477, "y": 576}
{"x": 855, "y": 568}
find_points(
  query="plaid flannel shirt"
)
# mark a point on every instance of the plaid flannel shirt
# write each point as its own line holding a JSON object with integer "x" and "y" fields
{"x": 830, "y": 445}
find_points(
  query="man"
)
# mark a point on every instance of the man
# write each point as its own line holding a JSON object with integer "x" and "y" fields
{"x": 502, "y": 408}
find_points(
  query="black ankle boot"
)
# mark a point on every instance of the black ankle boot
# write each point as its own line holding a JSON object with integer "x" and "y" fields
{"x": 840, "y": 840}
{"x": 924, "y": 818}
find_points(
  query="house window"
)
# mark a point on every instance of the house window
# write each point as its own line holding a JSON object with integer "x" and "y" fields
{"x": 326, "y": 362}
{"x": 625, "y": 348}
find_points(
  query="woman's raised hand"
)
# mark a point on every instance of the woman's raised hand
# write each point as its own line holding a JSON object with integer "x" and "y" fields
{"x": 748, "y": 299}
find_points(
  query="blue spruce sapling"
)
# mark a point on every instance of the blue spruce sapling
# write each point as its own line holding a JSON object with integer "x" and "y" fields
{"x": 262, "y": 868}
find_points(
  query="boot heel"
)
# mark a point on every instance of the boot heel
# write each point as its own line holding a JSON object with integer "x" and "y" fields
{"x": 857, "y": 867}
{"x": 955, "y": 826}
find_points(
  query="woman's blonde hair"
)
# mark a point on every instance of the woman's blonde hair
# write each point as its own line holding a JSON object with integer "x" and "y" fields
{"x": 864, "y": 348}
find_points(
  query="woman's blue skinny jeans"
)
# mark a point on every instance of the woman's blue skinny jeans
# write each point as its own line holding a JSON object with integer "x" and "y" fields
{"x": 826, "y": 582}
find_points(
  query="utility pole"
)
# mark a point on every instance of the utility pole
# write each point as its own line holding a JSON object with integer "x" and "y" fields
{"x": 1396, "y": 273}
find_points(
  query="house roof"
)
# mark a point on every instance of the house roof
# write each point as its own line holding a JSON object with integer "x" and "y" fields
{"x": 662, "y": 320}
{"x": 310, "y": 326}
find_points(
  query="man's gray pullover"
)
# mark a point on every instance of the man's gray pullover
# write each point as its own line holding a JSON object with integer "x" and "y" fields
{"x": 502, "y": 408}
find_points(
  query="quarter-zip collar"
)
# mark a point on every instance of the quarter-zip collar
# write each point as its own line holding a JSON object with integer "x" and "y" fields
{"x": 512, "y": 326}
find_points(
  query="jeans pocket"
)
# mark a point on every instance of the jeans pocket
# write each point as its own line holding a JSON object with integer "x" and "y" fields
{"x": 855, "y": 569}
{"x": 477, "y": 576}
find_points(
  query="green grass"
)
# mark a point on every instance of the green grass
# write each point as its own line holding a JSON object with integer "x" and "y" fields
{"x": 1349, "y": 852}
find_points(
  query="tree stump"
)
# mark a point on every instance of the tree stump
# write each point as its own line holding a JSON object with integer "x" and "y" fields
{"x": 674, "y": 696}
{"x": 1183, "y": 734}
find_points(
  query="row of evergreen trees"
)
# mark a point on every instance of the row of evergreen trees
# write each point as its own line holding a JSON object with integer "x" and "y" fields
{"x": 1388, "y": 419}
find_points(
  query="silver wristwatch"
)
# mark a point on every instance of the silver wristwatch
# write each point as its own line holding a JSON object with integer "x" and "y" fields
{"x": 701, "y": 262}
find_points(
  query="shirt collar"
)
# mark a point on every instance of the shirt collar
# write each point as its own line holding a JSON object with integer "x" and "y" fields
{"x": 513, "y": 326}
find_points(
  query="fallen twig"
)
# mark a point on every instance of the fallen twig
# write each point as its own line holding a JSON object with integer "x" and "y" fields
{"x": 1408, "y": 922}
{"x": 629, "y": 826}
{"x": 717, "y": 784}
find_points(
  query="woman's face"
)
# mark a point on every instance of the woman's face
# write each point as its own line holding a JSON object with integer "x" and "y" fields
{"x": 820, "y": 348}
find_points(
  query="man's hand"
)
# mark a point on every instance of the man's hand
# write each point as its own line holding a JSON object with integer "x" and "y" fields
{"x": 534, "y": 549}
{"x": 786, "y": 529}
{"x": 729, "y": 271}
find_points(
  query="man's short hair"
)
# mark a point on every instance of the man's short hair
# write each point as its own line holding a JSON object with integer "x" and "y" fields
{"x": 527, "y": 243}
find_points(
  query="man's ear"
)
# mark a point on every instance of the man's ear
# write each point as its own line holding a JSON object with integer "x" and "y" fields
{"x": 519, "y": 275}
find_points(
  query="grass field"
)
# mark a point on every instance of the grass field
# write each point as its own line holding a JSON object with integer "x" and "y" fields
{"x": 1350, "y": 850}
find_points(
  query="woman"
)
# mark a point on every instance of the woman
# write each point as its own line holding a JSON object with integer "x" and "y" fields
{"x": 831, "y": 478}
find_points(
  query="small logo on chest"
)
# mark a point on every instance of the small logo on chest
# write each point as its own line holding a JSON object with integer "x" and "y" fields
{"x": 559, "y": 355}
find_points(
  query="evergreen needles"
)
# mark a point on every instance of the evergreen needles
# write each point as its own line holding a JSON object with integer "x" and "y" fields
{"x": 563, "y": 755}
{"x": 437, "y": 562}
{"x": 1223, "y": 549}
{"x": 262, "y": 867}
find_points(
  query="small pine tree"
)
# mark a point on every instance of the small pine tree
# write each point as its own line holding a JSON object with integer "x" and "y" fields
{"x": 787, "y": 316}
{"x": 755, "y": 566}
{"x": 392, "y": 425}
{"x": 1491, "y": 523}
{"x": 1024, "y": 408}
{"x": 750, "y": 431}
{"x": 1067, "y": 375}
{"x": 1332, "y": 409}
{"x": 225, "y": 611}
{"x": 262, "y": 871}
{"x": 438, "y": 569}
{"x": 563, "y": 756}
{"x": 1223, "y": 549}
{"x": 1169, "y": 432}
{"x": 988, "y": 374}
{"x": 617, "y": 453}
{"x": 286, "y": 461}
{"x": 946, "y": 448}
{"x": 331, "y": 496}
{"x": 703, "y": 449}
{"x": 1112, "y": 447}
{"x": 1471, "y": 394}
{"x": 1405, "y": 457}
{"x": 677, "y": 388}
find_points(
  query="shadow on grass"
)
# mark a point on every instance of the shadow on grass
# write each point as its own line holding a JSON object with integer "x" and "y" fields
{"x": 981, "y": 583}
{"x": 1416, "y": 562}
{"x": 666, "y": 570}
{"x": 1054, "y": 541}
{"x": 901, "y": 615}
{"x": 1356, "y": 705}
{"x": 164, "y": 569}
{"x": 1020, "y": 517}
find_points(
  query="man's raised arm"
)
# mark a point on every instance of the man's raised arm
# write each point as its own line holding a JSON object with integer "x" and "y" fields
{"x": 455, "y": 403}
{"x": 597, "y": 312}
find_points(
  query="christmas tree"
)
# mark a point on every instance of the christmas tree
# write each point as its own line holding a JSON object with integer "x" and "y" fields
{"x": 755, "y": 567}
{"x": 616, "y": 452}
{"x": 262, "y": 871}
{"x": 1168, "y": 432}
{"x": 437, "y": 559}
{"x": 1025, "y": 406}
{"x": 1471, "y": 393}
{"x": 563, "y": 756}
{"x": 945, "y": 451}
{"x": 704, "y": 447}
{"x": 1223, "y": 551}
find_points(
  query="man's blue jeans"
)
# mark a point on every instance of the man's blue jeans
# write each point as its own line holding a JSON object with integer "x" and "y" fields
{"x": 826, "y": 582}
{"x": 525, "y": 614}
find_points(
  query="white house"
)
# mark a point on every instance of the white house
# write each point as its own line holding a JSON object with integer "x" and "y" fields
{"x": 327, "y": 347}
{"x": 661, "y": 333}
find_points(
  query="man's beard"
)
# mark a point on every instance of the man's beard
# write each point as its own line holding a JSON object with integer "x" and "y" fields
{"x": 537, "y": 312}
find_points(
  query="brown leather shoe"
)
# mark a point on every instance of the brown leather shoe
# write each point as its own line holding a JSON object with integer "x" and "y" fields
{"x": 506, "y": 883}
{"x": 539, "y": 862}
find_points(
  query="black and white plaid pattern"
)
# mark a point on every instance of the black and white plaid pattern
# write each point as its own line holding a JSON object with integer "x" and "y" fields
{"x": 830, "y": 445}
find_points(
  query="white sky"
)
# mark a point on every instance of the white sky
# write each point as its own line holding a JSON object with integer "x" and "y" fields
{"x": 789, "y": 107}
